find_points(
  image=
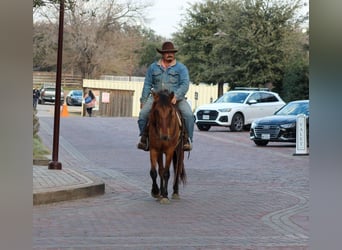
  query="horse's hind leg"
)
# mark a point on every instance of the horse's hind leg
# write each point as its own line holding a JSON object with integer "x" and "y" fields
{"x": 175, "y": 194}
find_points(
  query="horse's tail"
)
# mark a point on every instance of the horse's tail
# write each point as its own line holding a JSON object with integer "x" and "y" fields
{"x": 178, "y": 160}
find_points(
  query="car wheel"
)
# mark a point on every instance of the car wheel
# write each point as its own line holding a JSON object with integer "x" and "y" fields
{"x": 203, "y": 127}
{"x": 237, "y": 123}
{"x": 261, "y": 143}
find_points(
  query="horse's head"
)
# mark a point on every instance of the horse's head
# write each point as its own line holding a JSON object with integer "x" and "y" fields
{"x": 163, "y": 113}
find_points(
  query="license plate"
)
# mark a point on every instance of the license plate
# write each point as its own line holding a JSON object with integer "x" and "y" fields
{"x": 205, "y": 117}
{"x": 265, "y": 136}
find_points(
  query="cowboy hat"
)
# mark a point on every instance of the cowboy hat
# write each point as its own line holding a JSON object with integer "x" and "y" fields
{"x": 167, "y": 47}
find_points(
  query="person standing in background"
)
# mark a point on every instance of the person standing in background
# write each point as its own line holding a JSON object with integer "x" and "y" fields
{"x": 36, "y": 95}
{"x": 89, "y": 101}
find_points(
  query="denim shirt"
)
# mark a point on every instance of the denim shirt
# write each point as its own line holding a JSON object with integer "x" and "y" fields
{"x": 175, "y": 78}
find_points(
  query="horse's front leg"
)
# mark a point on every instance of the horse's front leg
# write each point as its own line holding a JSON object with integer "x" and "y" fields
{"x": 155, "y": 192}
{"x": 161, "y": 170}
{"x": 165, "y": 175}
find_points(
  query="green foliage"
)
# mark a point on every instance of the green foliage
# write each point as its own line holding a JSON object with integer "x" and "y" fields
{"x": 244, "y": 43}
{"x": 196, "y": 41}
{"x": 149, "y": 44}
{"x": 296, "y": 81}
{"x": 39, "y": 150}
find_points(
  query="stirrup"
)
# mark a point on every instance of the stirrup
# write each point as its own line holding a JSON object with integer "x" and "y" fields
{"x": 143, "y": 146}
{"x": 187, "y": 146}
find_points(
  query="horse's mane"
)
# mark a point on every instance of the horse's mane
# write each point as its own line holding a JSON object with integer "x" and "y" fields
{"x": 164, "y": 97}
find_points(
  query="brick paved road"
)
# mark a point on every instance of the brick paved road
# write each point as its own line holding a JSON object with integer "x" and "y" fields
{"x": 238, "y": 196}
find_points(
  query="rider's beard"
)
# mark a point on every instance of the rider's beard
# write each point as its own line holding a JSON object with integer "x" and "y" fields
{"x": 169, "y": 59}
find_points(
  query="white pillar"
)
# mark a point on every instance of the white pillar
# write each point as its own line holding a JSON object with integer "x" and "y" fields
{"x": 301, "y": 135}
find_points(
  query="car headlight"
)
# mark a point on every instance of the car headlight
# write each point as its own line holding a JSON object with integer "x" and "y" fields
{"x": 288, "y": 125}
{"x": 253, "y": 125}
{"x": 225, "y": 110}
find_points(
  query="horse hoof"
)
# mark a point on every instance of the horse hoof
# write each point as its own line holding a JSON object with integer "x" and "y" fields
{"x": 155, "y": 195}
{"x": 164, "y": 201}
{"x": 175, "y": 196}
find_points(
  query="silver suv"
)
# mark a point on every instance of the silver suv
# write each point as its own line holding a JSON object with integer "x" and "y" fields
{"x": 48, "y": 94}
{"x": 237, "y": 109}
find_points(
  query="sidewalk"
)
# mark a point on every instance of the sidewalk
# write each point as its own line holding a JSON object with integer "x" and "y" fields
{"x": 62, "y": 185}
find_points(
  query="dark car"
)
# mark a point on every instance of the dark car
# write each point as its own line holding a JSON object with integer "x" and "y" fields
{"x": 48, "y": 94}
{"x": 74, "y": 98}
{"x": 281, "y": 127}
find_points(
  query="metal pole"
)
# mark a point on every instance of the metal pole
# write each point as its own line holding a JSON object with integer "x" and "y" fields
{"x": 54, "y": 164}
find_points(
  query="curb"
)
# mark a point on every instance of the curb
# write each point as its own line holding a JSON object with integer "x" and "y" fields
{"x": 62, "y": 185}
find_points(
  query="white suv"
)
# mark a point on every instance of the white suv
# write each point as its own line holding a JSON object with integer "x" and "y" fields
{"x": 238, "y": 108}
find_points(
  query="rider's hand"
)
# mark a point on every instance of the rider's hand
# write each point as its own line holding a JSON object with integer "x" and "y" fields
{"x": 174, "y": 100}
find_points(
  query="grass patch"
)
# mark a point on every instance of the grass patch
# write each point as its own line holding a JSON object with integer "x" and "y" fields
{"x": 39, "y": 149}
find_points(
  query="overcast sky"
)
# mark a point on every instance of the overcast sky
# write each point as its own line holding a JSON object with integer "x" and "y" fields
{"x": 166, "y": 15}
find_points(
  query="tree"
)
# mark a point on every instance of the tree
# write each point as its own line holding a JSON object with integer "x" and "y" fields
{"x": 95, "y": 35}
{"x": 296, "y": 74}
{"x": 243, "y": 43}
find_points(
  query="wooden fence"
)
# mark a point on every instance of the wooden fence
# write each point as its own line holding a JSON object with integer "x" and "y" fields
{"x": 67, "y": 80}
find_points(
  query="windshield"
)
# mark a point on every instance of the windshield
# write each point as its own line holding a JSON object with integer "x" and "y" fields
{"x": 294, "y": 109}
{"x": 235, "y": 97}
{"x": 77, "y": 92}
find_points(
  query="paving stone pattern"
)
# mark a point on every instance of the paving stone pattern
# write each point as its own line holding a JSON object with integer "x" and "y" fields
{"x": 238, "y": 196}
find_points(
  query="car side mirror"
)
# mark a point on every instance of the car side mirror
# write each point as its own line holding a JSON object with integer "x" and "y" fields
{"x": 252, "y": 101}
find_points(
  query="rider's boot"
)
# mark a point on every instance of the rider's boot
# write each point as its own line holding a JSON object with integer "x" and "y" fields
{"x": 143, "y": 143}
{"x": 187, "y": 146}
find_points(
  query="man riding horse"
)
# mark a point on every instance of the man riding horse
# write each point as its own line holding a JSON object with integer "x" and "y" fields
{"x": 167, "y": 73}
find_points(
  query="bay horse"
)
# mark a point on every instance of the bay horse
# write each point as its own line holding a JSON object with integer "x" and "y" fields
{"x": 166, "y": 145}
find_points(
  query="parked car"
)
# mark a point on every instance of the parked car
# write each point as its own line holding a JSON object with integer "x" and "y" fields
{"x": 280, "y": 127}
{"x": 74, "y": 98}
{"x": 48, "y": 94}
{"x": 237, "y": 109}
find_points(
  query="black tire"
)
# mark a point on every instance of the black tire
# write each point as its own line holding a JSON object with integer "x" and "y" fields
{"x": 203, "y": 127}
{"x": 237, "y": 123}
{"x": 68, "y": 102}
{"x": 247, "y": 127}
{"x": 261, "y": 143}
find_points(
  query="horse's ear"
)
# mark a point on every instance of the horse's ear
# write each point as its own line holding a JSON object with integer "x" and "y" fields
{"x": 172, "y": 94}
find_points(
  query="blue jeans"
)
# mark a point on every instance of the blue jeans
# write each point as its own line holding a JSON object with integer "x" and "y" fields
{"x": 183, "y": 107}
